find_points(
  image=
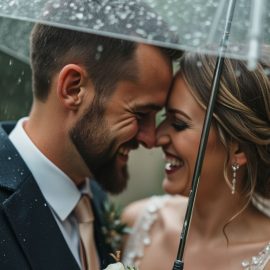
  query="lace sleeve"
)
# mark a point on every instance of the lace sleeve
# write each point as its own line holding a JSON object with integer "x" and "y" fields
{"x": 140, "y": 235}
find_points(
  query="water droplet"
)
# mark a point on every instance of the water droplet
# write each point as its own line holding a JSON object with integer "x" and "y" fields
{"x": 72, "y": 5}
{"x": 11, "y": 3}
{"x": 9, "y": 158}
{"x": 141, "y": 32}
{"x": 267, "y": 71}
{"x": 173, "y": 28}
{"x": 187, "y": 36}
{"x": 45, "y": 13}
{"x": 199, "y": 64}
{"x": 108, "y": 8}
{"x": 79, "y": 16}
{"x": 56, "y": 5}
{"x": 100, "y": 48}
{"x": 237, "y": 73}
{"x": 196, "y": 42}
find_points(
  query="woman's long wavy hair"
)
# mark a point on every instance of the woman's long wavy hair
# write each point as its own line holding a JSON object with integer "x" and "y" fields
{"x": 241, "y": 113}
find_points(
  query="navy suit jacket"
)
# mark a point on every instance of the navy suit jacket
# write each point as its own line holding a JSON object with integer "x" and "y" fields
{"x": 29, "y": 235}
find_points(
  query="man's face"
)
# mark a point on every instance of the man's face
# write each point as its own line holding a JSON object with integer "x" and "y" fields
{"x": 108, "y": 131}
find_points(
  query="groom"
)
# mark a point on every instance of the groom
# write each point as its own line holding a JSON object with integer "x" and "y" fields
{"x": 94, "y": 100}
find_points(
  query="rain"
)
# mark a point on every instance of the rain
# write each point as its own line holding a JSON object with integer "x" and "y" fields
{"x": 196, "y": 25}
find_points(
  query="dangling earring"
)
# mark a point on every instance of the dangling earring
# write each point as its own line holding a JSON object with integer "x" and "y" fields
{"x": 235, "y": 168}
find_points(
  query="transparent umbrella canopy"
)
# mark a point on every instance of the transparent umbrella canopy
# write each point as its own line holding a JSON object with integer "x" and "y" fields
{"x": 198, "y": 24}
{"x": 226, "y": 28}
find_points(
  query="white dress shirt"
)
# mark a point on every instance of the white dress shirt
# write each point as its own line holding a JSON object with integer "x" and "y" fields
{"x": 58, "y": 189}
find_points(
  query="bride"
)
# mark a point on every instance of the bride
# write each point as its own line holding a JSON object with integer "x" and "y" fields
{"x": 230, "y": 228}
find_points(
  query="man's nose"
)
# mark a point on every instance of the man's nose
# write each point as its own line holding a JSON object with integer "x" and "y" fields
{"x": 147, "y": 136}
{"x": 162, "y": 136}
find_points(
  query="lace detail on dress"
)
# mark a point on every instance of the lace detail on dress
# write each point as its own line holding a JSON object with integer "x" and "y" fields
{"x": 140, "y": 236}
{"x": 258, "y": 262}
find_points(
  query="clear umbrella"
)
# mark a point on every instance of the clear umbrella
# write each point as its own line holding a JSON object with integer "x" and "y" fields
{"x": 226, "y": 28}
{"x": 199, "y": 24}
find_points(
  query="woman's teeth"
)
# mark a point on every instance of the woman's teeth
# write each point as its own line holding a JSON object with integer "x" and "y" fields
{"x": 123, "y": 151}
{"x": 172, "y": 163}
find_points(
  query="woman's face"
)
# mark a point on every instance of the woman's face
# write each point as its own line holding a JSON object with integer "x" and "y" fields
{"x": 179, "y": 135}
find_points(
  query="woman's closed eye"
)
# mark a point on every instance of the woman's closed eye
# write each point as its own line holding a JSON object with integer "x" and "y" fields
{"x": 179, "y": 125}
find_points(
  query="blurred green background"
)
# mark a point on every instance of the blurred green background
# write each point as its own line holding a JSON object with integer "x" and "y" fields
{"x": 145, "y": 166}
{"x": 15, "y": 85}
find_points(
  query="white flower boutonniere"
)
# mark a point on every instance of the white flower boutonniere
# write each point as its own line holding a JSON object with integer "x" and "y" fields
{"x": 118, "y": 265}
{"x": 113, "y": 231}
{"x": 115, "y": 266}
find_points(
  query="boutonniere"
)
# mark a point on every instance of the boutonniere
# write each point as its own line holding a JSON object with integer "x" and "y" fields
{"x": 113, "y": 229}
{"x": 118, "y": 265}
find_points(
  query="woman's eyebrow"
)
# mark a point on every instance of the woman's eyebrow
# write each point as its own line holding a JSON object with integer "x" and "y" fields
{"x": 176, "y": 111}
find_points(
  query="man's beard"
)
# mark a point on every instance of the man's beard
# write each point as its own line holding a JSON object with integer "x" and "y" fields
{"x": 93, "y": 140}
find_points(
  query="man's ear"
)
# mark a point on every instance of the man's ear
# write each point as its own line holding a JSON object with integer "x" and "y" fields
{"x": 237, "y": 155}
{"x": 71, "y": 86}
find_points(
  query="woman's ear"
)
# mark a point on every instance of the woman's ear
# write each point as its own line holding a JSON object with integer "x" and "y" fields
{"x": 237, "y": 155}
{"x": 71, "y": 86}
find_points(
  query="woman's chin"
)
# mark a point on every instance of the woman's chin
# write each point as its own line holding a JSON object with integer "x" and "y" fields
{"x": 174, "y": 187}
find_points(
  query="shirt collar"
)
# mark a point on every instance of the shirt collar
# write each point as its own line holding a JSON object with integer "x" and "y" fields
{"x": 58, "y": 189}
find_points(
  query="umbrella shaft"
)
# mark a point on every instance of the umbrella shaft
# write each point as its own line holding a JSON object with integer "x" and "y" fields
{"x": 200, "y": 157}
{"x": 204, "y": 137}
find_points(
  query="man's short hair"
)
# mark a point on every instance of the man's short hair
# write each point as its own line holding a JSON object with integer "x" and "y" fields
{"x": 106, "y": 59}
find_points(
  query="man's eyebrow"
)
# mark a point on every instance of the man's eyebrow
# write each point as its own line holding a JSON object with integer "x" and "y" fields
{"x": 150, "y": 107}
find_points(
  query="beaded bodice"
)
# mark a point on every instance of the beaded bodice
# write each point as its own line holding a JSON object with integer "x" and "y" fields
{"x": 258, "y": 262}
{"x": 140, "y": 238}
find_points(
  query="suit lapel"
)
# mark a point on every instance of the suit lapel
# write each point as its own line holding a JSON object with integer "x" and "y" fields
{"x": 30, "y": 218}
{"x": 32, "y": 221}
{"x": 36, "y": 230}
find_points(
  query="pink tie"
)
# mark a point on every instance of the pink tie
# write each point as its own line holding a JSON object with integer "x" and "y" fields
{"x": 84, "y": 214}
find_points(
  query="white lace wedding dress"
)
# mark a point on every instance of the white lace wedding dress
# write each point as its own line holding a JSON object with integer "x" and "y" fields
{"x": 140, "y": 237}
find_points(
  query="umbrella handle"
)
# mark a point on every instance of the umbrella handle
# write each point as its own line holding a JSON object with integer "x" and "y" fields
{"x": 178, "y": 265}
